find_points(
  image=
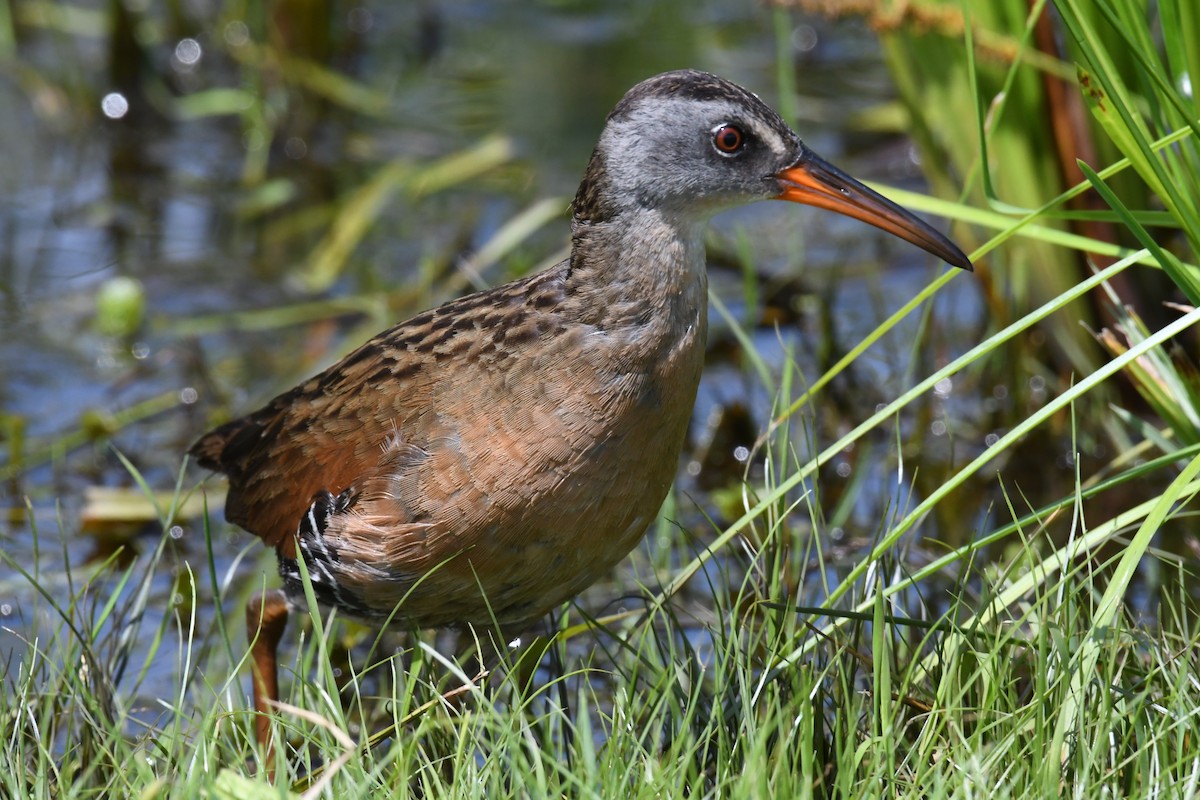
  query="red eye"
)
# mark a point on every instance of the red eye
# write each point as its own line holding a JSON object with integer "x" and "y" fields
{"x": 729, "y": 138}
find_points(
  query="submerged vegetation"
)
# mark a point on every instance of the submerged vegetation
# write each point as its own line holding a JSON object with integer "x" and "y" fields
{"x": 944, "y": 552}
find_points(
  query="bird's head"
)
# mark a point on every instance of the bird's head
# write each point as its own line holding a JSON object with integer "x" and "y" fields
{"x": 689, "y": 143}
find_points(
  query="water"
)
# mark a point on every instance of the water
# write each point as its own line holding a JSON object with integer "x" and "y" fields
{"x": 184, "y": 206}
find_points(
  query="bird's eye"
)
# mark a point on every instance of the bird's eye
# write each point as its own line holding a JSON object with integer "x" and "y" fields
{"x": 728, "y": 139}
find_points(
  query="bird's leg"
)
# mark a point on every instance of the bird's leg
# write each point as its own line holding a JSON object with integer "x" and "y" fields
{"x": 266, "y": 617}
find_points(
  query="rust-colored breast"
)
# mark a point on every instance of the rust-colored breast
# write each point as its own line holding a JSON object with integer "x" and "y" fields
{"x": 502, "y": 454}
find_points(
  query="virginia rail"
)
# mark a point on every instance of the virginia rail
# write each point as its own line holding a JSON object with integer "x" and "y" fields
{"x": 487, "y": 460}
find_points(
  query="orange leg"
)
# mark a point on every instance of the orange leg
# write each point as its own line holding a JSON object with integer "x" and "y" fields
{"x": 266, "y": 617}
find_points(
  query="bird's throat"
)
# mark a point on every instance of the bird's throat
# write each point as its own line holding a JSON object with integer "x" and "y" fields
{"x": 643, "y": 277}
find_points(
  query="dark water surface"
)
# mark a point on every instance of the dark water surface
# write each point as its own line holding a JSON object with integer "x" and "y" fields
{"x": 217, "y": 214}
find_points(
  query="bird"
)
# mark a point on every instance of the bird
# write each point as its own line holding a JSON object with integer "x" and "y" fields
{"x": 485, "y": 461}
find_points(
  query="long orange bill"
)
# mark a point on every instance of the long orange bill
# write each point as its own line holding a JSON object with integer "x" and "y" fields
{"x": 815, "y": 182}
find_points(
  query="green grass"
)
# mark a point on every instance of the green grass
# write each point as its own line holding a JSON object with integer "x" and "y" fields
{"x": 1020, "y": 677}
{"x": 984, "y": 635}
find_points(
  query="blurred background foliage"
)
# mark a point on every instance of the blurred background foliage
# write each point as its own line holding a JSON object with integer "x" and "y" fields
{"x": 205, "y": 202}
